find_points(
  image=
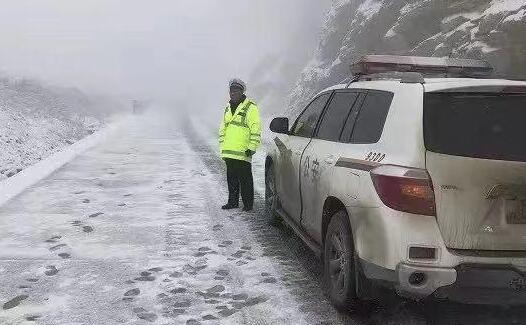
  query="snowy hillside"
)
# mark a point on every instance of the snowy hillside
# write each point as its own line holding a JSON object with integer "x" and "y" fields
{"x": 36, "y": 121}
{"x": 490, "y": 29}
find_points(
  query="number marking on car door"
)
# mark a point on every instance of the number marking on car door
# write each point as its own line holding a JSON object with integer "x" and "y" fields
{"x": 375, "y": 156}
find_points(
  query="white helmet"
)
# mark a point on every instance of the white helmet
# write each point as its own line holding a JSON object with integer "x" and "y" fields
{"x": 239, "y": 83}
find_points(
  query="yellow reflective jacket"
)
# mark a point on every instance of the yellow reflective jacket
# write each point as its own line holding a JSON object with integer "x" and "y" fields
{"x": 240, "y": 131}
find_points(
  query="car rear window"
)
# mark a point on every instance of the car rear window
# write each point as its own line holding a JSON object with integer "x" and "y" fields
{"x": 480, "y": 125}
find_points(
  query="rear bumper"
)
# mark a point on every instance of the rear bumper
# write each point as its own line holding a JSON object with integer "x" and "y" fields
{"x": 467, "y": 283}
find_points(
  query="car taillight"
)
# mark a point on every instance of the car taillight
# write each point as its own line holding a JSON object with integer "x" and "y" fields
{"x": 405, "y": 189}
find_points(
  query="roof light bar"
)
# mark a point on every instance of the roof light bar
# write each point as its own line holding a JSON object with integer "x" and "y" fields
{"x": 427, "y": 66}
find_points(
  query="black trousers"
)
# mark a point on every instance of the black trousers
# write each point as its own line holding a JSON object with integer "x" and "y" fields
{"x": 239, "y": 176}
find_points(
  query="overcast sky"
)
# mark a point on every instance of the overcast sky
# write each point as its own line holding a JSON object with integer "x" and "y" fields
{"x": 152, "y": 48}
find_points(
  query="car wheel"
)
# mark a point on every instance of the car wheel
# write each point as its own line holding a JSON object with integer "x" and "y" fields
{"x": 271, "y": 195}
{"x": 339, "y": 267}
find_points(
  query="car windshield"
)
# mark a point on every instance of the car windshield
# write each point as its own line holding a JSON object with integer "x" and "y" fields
{"x": 140, "y": 182}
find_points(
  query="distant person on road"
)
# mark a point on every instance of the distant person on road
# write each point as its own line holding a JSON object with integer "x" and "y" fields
{"x": 239, "y": 137}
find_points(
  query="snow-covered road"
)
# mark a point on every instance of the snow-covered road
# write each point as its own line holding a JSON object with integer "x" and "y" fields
{"x": 131, "y": 232}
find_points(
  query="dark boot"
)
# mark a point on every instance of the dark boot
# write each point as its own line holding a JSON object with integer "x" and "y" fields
{"x": 229, "y": 206}
{"x": 248, "y": 208}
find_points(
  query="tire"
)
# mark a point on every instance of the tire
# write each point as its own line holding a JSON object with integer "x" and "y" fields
{"x": 339, "y": 263}
{"x": 271, "y": 196}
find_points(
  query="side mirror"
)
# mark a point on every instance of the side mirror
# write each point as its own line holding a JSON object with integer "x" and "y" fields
{"x": 280, "y": 125}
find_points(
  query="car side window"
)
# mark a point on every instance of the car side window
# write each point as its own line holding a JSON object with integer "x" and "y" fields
{"x": 371, "y": 118}
{"x": 349, "y": 123}
{"x": 307, "y": 121}
{"x": 335, "y": 115}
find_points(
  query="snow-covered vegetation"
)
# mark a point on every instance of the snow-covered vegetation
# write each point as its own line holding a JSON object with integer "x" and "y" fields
{"x": 38, "y": 120}
{"x": 489, "y": 29}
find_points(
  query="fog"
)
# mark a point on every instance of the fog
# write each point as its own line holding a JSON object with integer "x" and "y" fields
{"x": 180, "y": 51}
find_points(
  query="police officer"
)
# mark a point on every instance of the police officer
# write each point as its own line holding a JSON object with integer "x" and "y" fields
{"x": 239, "y": 137}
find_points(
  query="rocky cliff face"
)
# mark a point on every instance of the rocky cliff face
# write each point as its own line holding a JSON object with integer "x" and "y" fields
{"x": 494, "y": 30}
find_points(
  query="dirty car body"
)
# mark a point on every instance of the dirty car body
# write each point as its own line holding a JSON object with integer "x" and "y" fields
{"x": 430, "y": 175}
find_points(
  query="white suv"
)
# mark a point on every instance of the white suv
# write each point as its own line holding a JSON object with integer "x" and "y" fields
{"x": 413, "y": 184}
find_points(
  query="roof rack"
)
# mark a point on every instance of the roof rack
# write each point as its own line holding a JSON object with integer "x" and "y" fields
{"x": 413, "y": 69}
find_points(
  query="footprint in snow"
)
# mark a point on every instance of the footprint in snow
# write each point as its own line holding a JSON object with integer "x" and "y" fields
{"x": 178, "y": 290}
{"x": 51, "y": 240}
{"x": 217, "y": 227}
{"x": 79, "y": 192}
{"x": 86, "y": 201}
{"x": 240, "y": 296}
{"x": 216, "y": 289}
{"x": 87, "y": 229}
{"x": 212, "y": 301}
{"x": 15, "y": 302}
{"x": 145, "y": 278}
{"x": 176, "y": 275}
{"x": 32, "y": 318}
{"x": 182, "y": 304}
{"x": 193, "y": 322}
{"x": 269, "y": 280}
{"x": 132, "y": 292}
{"x": 227, "y": 312}
{"x": 155, "y": 269}
{"x": 254, "y": 301}
{"x": 64, "y": 255}
{"x": 57, "y": 247}
{"x": 150, "y": 317}
{"x": 76, "y": 223}
{"x": 94, "y": 215}
{"x": 127, "y": 195}
{"x": 174, "y": 313}
{"x": 139, "y": 310}
{"x": 121, "y": 204}
{"x": 51, "y": 270}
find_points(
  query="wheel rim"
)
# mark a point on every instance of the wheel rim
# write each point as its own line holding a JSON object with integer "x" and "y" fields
{"x": 270, "y": 191}
{"x": 338, "y": 263}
